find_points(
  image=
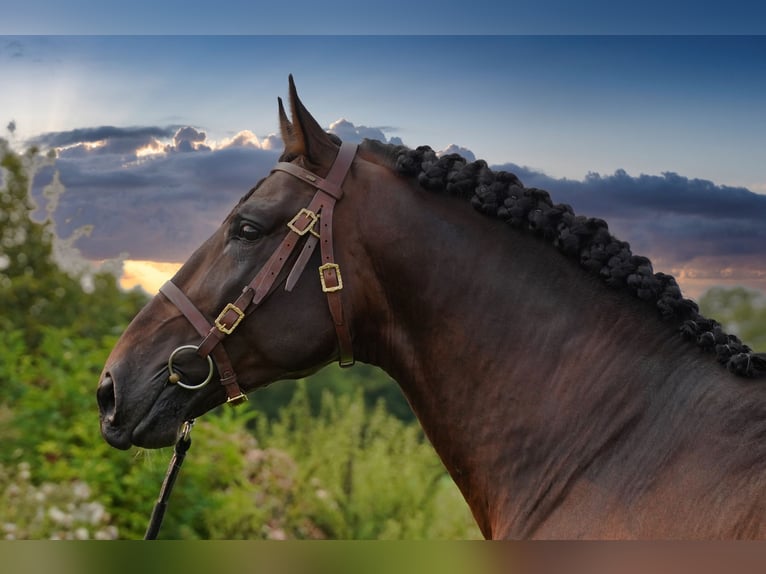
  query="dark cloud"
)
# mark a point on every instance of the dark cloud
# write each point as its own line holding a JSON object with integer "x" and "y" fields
{"x": 102, "y": 133}
{"x": 161, "y": 206}
{"x": 666, "y": 193}
{"x": 158, "y": 207}
{"x": 347, "y": 131}
{"x": 675, "y": 220}
{"x": 188, "y": 139}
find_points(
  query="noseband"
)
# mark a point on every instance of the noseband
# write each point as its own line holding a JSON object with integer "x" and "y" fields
{"x": 319, "y": 211}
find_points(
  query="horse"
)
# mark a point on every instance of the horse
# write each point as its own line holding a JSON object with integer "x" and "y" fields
{"x": 569, "y": 390}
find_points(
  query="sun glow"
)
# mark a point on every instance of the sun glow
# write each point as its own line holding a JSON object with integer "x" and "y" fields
{"x": 90, "y": 146}
{"x": 149, "y": 275}
{"x": 153, "y": 148}
{"x": 244, "y": 138}
{"x": 700, "y": 274}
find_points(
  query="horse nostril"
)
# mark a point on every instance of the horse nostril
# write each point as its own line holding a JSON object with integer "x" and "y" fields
{"x": 105, "y": 396}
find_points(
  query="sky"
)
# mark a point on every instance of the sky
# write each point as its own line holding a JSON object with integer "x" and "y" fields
{"x": 158, "y": 136}
{"x": 334, "y": 17}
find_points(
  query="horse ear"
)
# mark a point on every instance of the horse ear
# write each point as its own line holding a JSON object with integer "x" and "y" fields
{"x": 304, "y": 136}
{"x": 288, "y": 133}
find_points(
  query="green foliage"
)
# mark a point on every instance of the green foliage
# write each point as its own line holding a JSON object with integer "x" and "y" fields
{"x": 345, "y": 472}
{"x": 34, "y": 292}
{"x": 741, "y": 311}
{"x": 348, "y": 472}
{"x": 50, "y": 423}
{"x": 375, "y": 386}
{"x": 321, "y": 466}
{"x": 363, "y": 473}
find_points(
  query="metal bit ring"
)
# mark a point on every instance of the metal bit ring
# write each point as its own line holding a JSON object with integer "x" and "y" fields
{"x": 175, "y": 378}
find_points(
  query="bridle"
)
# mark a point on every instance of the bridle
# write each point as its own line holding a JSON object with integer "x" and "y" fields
{"x": 303, "y": 224}
{"x": 318, "y": 212}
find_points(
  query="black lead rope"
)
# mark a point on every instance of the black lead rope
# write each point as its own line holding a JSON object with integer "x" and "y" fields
{"x": 183, "y": 444}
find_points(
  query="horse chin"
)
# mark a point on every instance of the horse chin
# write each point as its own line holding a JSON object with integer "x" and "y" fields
{"x": 116, "y": 437}
{"x": 155, "y": 433}
{"x": 161, "y": 426}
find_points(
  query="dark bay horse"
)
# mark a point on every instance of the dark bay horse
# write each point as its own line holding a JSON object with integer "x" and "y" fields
{"x": 569, "y": 390}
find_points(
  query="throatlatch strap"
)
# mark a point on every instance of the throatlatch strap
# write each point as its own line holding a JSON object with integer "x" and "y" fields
{"x": 329, "y": 271}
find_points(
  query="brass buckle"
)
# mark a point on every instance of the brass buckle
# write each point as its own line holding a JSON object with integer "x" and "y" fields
{"x": 327, "y": 267}
{"x": 313, "y": 231}
{"x": 313, "y": 217}
{"x": 238, "y": 400}
{"x": 219, "y": 320}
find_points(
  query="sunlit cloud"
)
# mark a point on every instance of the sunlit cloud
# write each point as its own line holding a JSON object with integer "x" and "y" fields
{"x": 454, "y": 148}
{"x": 90, "y": 146}
{"x": 703, "y": 272}
{"x": 154, "y": 147}
{"x": 245, "y": 138}
{"x": 149, "y": 275}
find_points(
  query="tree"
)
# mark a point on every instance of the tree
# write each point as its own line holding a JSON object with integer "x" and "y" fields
{"x": 34, "y": 292}
{"x": 741, "y": 311}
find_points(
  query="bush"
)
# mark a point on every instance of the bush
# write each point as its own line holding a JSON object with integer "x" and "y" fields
{"x": 56, "y": 511}
{"x": 347, "y": 471}
{"x": 360, "y": 473}
{"x": 49, "y": 422}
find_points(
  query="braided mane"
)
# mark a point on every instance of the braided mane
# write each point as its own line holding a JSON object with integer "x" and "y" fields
{"x": 502, "y": 195}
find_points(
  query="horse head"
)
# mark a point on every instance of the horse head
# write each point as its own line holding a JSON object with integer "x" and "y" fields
{"x": 241, "y": 310}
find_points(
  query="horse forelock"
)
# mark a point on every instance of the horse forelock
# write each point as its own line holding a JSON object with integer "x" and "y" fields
{"x": 502, "y": 195}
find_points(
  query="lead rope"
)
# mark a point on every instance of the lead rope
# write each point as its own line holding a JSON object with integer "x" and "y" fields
{"x": 182, "y": 446}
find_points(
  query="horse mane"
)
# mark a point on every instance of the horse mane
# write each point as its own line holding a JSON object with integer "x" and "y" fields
{"x": 502, "y": 195}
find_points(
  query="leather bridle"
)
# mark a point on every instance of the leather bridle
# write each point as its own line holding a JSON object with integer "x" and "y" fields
{"x": 318, "y": 212}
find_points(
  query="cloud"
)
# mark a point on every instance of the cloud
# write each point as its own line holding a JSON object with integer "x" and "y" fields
{"x": 347, "y": 131}
{"x": 272, "y": 142}
{"x": 247, "y": 138}
{"x": 690, "y": 227}
{"x": 189, "y": 139}
{"x": 454, "y": 148}
{"x": 102, "y": 133}
{"x": 149, "y": 193}
{"x": 156, "y": 193}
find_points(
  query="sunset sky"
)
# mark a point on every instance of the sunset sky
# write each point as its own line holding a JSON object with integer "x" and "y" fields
{"x": 158, "y": 136}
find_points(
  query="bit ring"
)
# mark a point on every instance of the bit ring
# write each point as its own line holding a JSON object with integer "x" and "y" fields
{"x": 174, "y": 377}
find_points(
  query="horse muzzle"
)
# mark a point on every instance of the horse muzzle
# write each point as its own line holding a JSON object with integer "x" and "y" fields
{"x": 113, "y": 432}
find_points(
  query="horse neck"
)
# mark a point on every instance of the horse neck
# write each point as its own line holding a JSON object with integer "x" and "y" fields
{"x": 503, "y": 346}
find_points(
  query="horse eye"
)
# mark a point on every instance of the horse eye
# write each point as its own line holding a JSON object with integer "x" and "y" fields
{"x": 248, "y": 231}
